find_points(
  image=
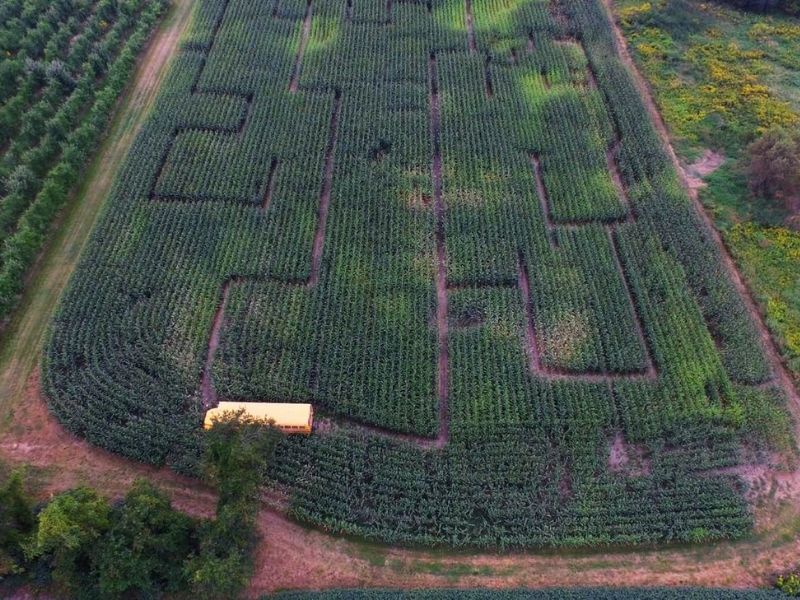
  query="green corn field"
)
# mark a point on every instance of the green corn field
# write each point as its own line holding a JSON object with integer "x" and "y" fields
{"x": 449, "y": 225}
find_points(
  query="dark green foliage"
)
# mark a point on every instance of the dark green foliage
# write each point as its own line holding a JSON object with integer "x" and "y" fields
{"x": 141, "y": 547}
{"x": 65, "y": 69}
{"x": 17, "y": 521}
{"x": 67, "y": 534}
{"x": 791, "y": 7}
{"x": 642, "y": 339}
{"x": 773, "y": 167}
{"x": 238, "y": 451}
{"x": 224, "y": 565}
{"x": 143, "y": 552}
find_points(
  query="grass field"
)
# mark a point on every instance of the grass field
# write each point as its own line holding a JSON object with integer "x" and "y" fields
{"x": 453, "y": 228}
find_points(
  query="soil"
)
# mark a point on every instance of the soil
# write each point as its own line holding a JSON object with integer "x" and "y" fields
{"x": 207, "y": 389}
{"x": 442, "y": 325}
{"x": 616, "y": 177}
{"x": 36, "y": 439}
{"x": 294, "y": 83}
{"x": 471, "y": 42}
{"x": 628, "y": 459}
{"x": 325, "y": 193}
{"x": 269, "y": 188}
{"x": 695, "y": 173}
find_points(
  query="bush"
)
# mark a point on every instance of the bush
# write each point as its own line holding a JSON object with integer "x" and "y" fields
{"x": 17, "y": 521}
{"x": 69, "y": 528}
{"x": 789, "y": 584}
{"x": 144, "y": 551}
{"x": 773, "y": 168}
{"x": 238, "y": 452}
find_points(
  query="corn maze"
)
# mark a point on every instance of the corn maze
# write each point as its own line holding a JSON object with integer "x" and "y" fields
{"x": 448, "y": 224}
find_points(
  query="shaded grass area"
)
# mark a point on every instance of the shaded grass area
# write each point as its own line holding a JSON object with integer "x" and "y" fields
{"x": 721, "y": 77}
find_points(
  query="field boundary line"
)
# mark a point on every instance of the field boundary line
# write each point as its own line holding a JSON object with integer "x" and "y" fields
{"x": 24, "y": 334}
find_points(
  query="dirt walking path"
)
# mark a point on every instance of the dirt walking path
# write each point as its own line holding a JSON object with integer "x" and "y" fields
{"x": 291, "y": 556}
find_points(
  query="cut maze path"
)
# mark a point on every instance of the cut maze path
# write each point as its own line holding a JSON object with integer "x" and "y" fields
{"x": 443, "y": 361}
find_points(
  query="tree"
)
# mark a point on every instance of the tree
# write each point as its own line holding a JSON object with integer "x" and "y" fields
{"x": 773, "y": 167}
{"x": 239, "y": 448}
{"x": 144, "y": 551}
{"x": 791, "y": 7}
{"x": 17, "y": 522}
{"x": 67, "y": 535}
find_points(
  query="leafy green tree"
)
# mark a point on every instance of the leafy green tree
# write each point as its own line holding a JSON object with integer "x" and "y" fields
{"x": 17, "y": 522}
{"x": 144, "y": 551}
{"x": 239, "y": 449}
{"x": 69, "y": 529}
{"x": 773, "y": 167}
{"x": 221, "y": 569}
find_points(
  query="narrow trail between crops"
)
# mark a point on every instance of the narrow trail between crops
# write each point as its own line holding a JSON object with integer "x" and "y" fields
{"x": 443, "y": 362}
{"x": 294, "y": 82}
{"x": 207, "y": 388}
{"x": 778, "y": 368}
{"x": 325, "y": 192}
{"x": 472, "y": 43}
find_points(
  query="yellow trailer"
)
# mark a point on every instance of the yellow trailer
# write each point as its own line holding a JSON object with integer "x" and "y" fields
{"x": 288, "y": 417}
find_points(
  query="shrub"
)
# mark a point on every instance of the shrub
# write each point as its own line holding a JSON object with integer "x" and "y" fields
{"x": 17, "y": 521}
{"x": 789, "y": 584}
{"x": 146, "y": 546}
{"x": 773, "y": 167}
{"x": 69, "y": 529}
{"x": 238, "y": 452}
